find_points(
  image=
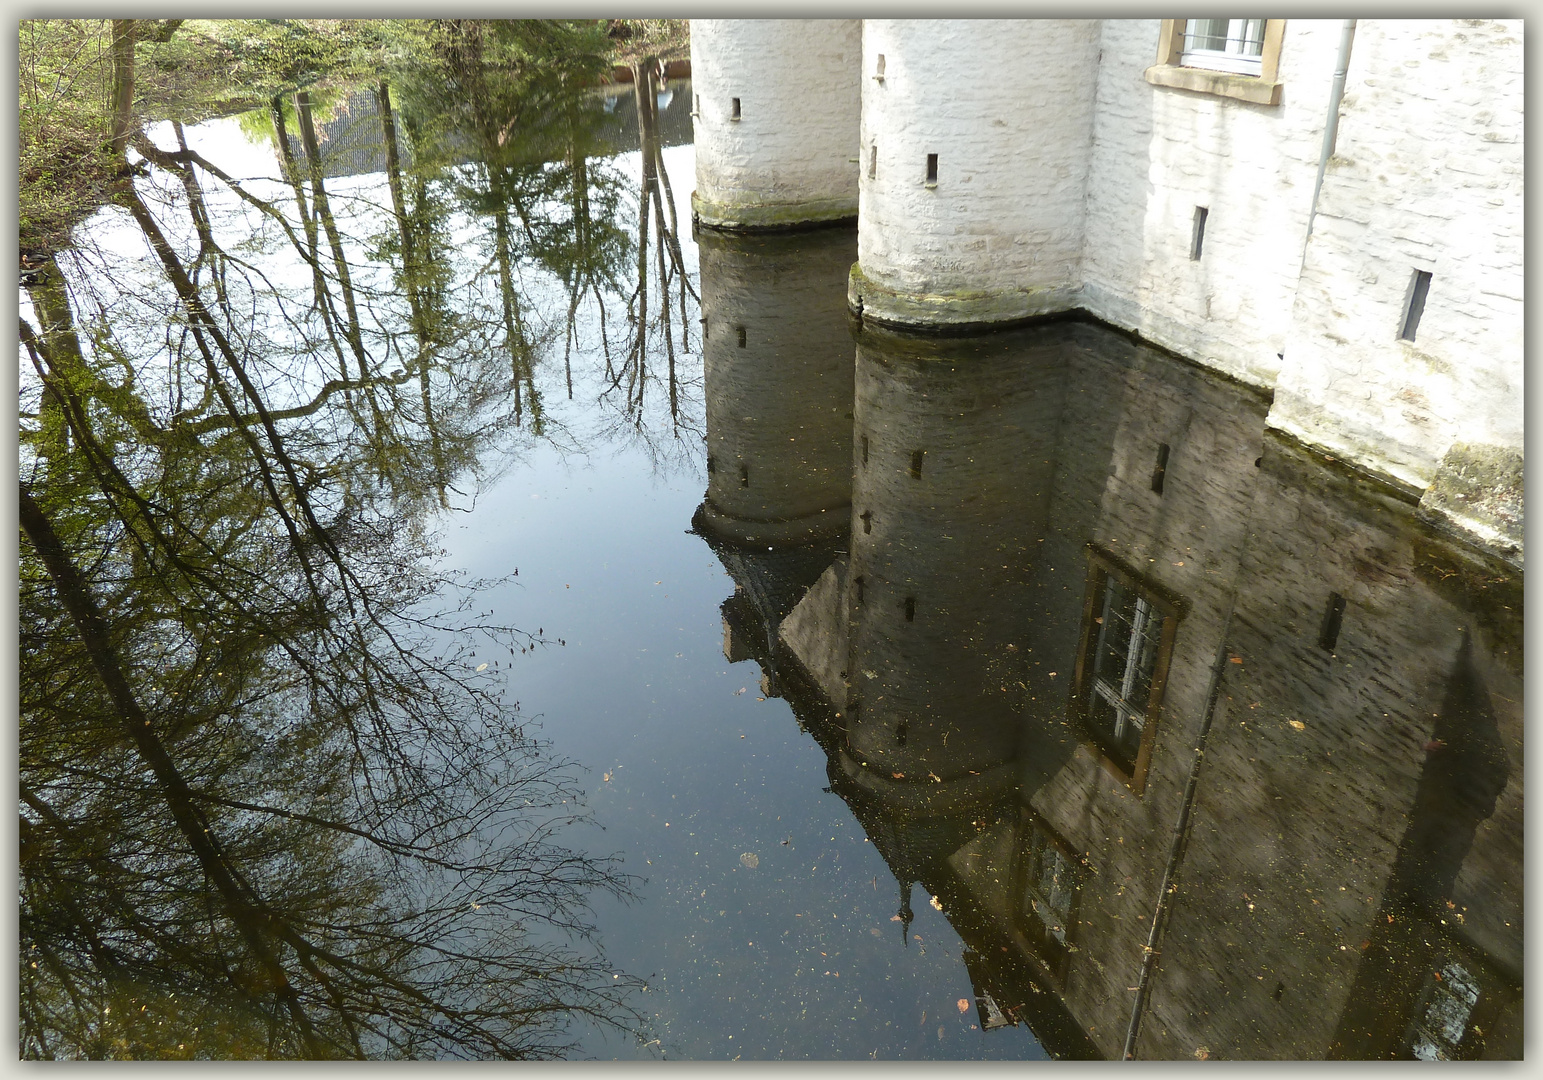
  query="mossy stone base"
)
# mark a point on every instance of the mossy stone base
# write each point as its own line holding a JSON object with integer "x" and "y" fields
{"x": 1481, "y": 489}
{"x": 772, "y": 216}
{"x": 953, "y": 311}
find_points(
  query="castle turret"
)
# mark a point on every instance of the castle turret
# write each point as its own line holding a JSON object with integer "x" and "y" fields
{"x": 975, "y": 147}
{"x": 775, "y": 108}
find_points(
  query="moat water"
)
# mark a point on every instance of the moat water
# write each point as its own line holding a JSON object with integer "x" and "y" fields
{"x": 592, "y": 642}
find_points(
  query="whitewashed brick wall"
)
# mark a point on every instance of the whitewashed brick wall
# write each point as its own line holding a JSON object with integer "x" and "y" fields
{"x": 1427, "y": 175}
{"x": 1158, "y": 153}
{"x": 792, "y": 149}
{"x": 1007, "y": 106}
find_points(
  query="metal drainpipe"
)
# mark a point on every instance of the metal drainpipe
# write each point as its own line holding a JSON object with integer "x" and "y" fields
{"x": 1331, "y": 124}
{"x": 1175, "y": 852}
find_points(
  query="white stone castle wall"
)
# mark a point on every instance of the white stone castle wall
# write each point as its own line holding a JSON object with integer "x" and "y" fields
{"x": 1158, "y": 153}
{"x": 1007, "y": 106}
{"x": 1426, "y": 175}
{"x": 793, "y": 145}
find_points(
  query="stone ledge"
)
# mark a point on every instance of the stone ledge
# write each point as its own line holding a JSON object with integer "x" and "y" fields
{"x": 1480, "y": 489}
{"x": 953, "y": 312}
{"x": 1219, "y": 83}
{"x": 772, "y": 216}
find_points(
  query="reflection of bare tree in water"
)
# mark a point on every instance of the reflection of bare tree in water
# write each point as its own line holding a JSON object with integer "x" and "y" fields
{"x": 272, "y": 802}
{"x": 659, "y": 237}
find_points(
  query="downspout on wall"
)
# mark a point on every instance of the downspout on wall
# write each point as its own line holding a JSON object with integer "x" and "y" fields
{"x": 1331, "y": 122}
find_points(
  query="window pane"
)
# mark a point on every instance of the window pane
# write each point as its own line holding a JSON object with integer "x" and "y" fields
{"x": 1124, "y": 661}
{"x": 1206, "y": 34}
{"x": 1049, "y": 884}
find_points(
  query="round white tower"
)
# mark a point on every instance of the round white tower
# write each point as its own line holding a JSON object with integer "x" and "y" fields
{"x": 775, "y": 112}
{"x": 976, "y": 140}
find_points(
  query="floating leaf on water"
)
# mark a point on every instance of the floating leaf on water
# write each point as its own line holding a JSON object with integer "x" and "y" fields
{"x": 1297, "y": 724}
{"x": 482, "y": 667}
{"x": 935, "y": 902}
{"x": 964, "y": 1005}
{"x": 750, "y": 859}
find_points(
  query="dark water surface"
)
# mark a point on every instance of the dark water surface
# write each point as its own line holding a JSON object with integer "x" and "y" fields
{"x": 909, "y": 680}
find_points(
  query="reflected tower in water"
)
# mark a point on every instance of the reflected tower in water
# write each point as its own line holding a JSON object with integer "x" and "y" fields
{"x": 952, "y": 468}
{"x": 779, "y": 386}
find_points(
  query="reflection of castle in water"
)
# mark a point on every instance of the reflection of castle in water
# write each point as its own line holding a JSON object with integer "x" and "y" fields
{"x": 1098, "y": 654}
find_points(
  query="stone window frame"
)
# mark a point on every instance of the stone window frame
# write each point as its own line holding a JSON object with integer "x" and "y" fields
{"x": 1102, "y": 566}
{"x": 1261, "y": 89}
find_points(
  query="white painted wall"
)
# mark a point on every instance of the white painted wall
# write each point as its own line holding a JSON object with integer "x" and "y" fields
{"x": 1007, "y": 105}
{"x": 1158, "y": 153}
{"x": 789, "y": 156}
{"x": 1427, "y": 175}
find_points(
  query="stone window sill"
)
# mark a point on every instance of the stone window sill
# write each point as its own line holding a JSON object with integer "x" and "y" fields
{"x": 1220, "y": 83}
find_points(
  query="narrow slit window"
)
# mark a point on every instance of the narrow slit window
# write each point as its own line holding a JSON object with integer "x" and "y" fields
{"x": 1419, "y": 288}
{"x": 859, "y": 581}
{"x": 867, "y": 519}
{"x": 1160, "y": 470}
{"x": 910, "y": 609}
{"x": 712, "y": 464}
{"x": 916, "y": 464}
{"x": 1333, "y": 617}
{"x": 696, "y": 109}
{"x": 873, "y": 161}
{"x": 865, "y": 449}
{"x": 744, "y": 475}
{"x": 932, "y": 168}
{"x": 879, "y": 68}
{"x": 740, "y": 330}
{"x": 1197, "y": 236}
{"x": 734, "y": 109}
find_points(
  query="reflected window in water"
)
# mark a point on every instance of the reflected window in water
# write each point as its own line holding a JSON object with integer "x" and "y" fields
{"x": 1048, "y": 880}
{"x": 1450, "y": 995}
{"x": 1127, "y": 639}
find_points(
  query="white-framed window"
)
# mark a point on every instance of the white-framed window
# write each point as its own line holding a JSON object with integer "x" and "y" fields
{"x": 1234, "y": 58}
{"x": 1235, "y": 45}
